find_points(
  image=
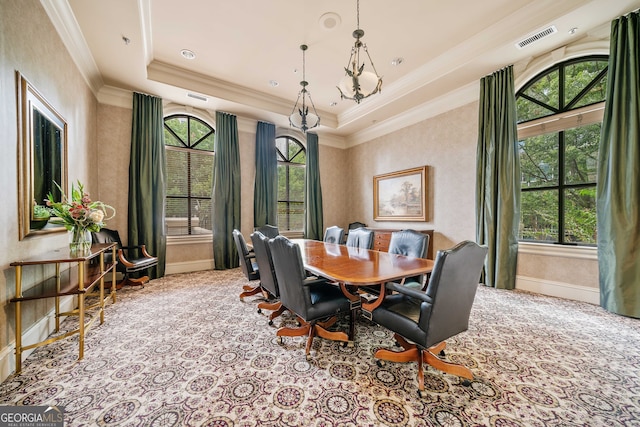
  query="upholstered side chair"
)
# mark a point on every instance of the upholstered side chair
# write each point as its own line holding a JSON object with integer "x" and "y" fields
{"x": 268, "y": 230}
{"x": 360, "y": 238}
{"x": 248, "y": 265}
{"x": 423, "y": 320}
{"x": 268, "y": 279}
{"x": 333, "y": 234}
{"x": 414, "y": 244}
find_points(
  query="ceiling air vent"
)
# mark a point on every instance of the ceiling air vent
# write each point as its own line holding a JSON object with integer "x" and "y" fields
{"x": 198, "y": 97}
{"x": 537, "y": 36}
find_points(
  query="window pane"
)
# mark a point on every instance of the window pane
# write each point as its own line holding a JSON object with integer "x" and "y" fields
{"x": 580, "y": 215}
{"x": 178, "y": 125}
{"x": 539, "y": 161}
{"x": 282, "y": 182}
{"x": 176, "y": 217}
{"x": 578, "y": 76}
{"x": 282, "y": 148}
{"x": 296, "y": 184}
{"x": 170, "y": 139}
{"x": 539, "y": 217}
{"x": 296, "y": 216}
{"x": 201, "y": 216}
{"x": 177, "y": 170}
{"x": 198, "y": 131}
{"x": 545, "y": 89}
{"x": 201, "y": 174}
{"x": 581, "y": 154}
{"x": 528, "y": 110}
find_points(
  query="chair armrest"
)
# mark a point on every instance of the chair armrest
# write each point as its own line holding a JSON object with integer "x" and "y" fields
{"x": 143, "y": 249}
{"x": 410, "y": 292}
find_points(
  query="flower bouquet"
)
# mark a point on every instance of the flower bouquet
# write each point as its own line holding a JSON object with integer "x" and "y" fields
{"x": 81, "y": 216}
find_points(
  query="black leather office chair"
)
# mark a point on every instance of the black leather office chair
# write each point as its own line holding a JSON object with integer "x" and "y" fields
{"x": 423, "y": 320}
{"x": 248, "y": 265}
{"x": 311, "y": 299}
{"x": 333, "y": 234}
{"x": 360, "y": 238}
{"x": 410, "y": 243}
{"x": 131, "y": 259}
{"x": 268, "y": 279}
{"x": 270, "y": 231}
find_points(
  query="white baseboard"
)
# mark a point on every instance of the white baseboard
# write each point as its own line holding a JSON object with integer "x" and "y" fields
{"x": 189, "y": 266}
{"x": 559, "y": 289}
{"x": 36, "y": 333}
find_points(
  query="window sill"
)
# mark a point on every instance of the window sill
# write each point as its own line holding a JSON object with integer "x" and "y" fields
{"x": 547, "y": 249}
{"x": 189, "y": 240}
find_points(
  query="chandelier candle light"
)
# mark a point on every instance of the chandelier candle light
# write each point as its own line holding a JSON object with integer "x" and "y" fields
{"x": 301, "y": 118}
{"x": 358, "y": 84}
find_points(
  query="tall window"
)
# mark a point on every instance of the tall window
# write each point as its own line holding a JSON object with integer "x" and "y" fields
{"x": 189, "y": 148}
{"x": 291, "y": 169}
{"x": 560, "y": 114}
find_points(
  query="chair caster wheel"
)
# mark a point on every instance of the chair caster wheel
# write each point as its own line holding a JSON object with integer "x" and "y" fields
{"x": 260, "y": 310}
{"x": 466, "y": 382}
{"x": 442, "y": 353}
{"x": 280, "y": 340}
{"x": 270, "y": 322}
{"x": 379, "y": 363}
{"x": 308, "y": 357}
{"x": 420, "y": 394}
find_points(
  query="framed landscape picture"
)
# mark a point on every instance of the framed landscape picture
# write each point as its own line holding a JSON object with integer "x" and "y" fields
{"x": 400, "y": 196}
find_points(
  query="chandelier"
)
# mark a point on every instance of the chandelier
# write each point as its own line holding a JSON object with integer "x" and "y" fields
{"x": 301, "y": 118}
{"x": 358, "y": 84}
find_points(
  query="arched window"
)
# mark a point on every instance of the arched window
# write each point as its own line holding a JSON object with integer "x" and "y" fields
{"x": 560, "y": 114}
{"x": 189, "y": 144}
{"x": 292, "y": 159}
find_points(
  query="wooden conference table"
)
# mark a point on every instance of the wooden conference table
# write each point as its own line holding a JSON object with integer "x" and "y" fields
{"x": 354, "y": 267}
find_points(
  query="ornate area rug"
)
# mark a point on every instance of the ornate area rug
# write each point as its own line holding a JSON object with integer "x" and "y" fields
{"x": 186, "y": 351}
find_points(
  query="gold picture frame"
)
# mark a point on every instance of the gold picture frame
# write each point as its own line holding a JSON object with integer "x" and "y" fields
{"x": 400, "y": 196}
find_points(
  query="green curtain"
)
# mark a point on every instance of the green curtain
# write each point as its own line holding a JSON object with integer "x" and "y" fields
{"x": 498, "y": 179}
{"x": 618, "y": 190}
{"x": 265, "y": 195}
{"x": 147, "y": 180}
{"x": 313, "y": 228}
{"x": 226, "y": 191}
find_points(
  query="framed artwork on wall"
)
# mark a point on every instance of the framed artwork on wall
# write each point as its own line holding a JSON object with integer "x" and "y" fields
{"x": 400, "y": 196}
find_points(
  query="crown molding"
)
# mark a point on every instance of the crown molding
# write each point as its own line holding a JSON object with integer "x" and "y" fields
{"x": 65, "y": 23}
{"x": 184, "y": 78}
{"x": 454, "y": 99}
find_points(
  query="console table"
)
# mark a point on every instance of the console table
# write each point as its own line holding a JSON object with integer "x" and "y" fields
{"x": 88, "y": 280}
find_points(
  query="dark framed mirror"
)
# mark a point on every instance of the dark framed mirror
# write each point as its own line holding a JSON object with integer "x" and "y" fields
{"x": 42, "y": 159}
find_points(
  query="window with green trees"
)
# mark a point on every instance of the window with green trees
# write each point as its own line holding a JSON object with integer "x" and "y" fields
{"x": 559, "y": 119}
{"x": 292, "y": 159}
{"x": 189, "y": 144}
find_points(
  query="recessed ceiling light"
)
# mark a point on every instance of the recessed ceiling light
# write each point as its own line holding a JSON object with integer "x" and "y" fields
{"x": 273, "y": 83}
{"x": 573, "y": 30}
{"x": 397, "y": 61}
{"x": 187, "y": 54}
{"x": 330, "y": 21}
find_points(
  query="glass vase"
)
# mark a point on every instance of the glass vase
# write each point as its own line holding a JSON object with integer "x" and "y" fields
{"x": 79, "y": 242}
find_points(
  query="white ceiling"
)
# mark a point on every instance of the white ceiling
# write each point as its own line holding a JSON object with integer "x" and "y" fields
{"x": 241, "y": 45}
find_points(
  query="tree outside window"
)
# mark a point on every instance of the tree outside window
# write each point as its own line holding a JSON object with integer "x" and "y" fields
{"x": 291, "y": 186}
{"x": 560, "y": 114}
{"x": 189, "y": 144}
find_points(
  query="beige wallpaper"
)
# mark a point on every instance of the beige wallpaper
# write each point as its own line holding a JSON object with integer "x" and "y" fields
{"x": 446, "y": 144}
{"x": 29, "y": 44}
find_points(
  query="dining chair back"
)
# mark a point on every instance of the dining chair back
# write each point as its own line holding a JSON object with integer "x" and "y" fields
{"x": 333, "y": 234}
{"x": 360, "y": 238}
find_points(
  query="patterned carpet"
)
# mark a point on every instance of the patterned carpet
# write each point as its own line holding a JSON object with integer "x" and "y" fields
{"x": 186, "y": 351}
